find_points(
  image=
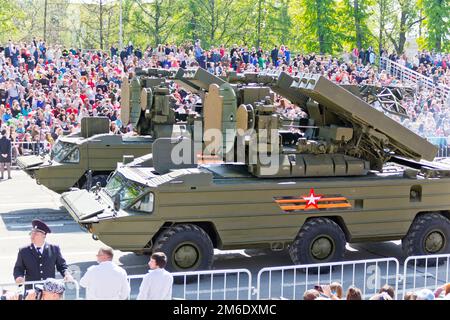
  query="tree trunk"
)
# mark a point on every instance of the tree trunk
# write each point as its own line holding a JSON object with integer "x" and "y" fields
{"x": 402, "y": 35}
{"x": 381, "y": 4}
{"x": 213, "y": 20}
{"x": 45, "y": 21}
{"x": 101, "y": 24}
{"x": 320, "y": 34}
{"x": 357, "y": 24}
{"x": 258, "y": 31}
{"x": 157, "y": 26}
{"x": 438, "y": 43}
{"x": 420, "y": 23}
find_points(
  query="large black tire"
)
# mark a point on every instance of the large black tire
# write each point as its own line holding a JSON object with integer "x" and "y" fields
{"x": 186, "y": 241}
{"x": 102, "y": 178}
{"x": 428, "y": 234}
{"x": 320, "y": 240}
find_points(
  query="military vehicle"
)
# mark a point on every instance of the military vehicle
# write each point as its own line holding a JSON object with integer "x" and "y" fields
{"x": 83, "y": 159}
{"x": 353, "y": 175}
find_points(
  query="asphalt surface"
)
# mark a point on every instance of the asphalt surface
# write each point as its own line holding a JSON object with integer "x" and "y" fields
{"x": 22, "y": 200}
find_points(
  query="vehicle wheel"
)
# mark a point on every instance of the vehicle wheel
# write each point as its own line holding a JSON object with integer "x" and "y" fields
{"x": 102, "y": 178}
{"x": 429, "y": 234}
{"x": 187, "y": 247}
{"x": 320, "y": 240}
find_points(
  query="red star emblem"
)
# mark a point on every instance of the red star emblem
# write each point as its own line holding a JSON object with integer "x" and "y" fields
{"x": 312, "y": 199}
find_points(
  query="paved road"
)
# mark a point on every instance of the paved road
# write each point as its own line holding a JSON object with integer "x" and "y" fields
{"x": 22, "y": 200}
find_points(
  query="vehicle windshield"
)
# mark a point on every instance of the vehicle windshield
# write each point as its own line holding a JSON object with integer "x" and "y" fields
{"x": 61, "y": 150}
{"x": 127, "y": 190}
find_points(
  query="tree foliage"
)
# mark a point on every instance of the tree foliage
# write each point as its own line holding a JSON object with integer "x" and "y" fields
{"x": 326, "y": 26}
{"x": 437, "y": 20}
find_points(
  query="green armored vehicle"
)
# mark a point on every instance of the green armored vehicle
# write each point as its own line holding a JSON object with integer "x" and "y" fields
{"x": 83, "y": 159}
{"x": 351, "y": 175}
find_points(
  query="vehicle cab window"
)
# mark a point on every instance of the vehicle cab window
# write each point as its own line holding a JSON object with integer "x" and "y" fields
{"x": 145, "y": 204}
{"x": 73, "y": 157}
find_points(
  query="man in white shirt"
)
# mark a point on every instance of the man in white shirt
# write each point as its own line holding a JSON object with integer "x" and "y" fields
{"x": 157, "y": 284}
{"x": 106, "y": 281}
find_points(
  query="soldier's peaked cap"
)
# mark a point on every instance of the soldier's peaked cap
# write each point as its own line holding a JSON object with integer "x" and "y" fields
{"x": 40, "y": 226}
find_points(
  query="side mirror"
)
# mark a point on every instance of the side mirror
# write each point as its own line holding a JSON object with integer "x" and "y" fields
{"x": 117, "y": 202}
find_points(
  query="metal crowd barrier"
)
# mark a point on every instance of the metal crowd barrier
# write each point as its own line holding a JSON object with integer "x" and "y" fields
{"x": 232, "y": 284}
{"x": 420, "y": 272}
{"x": 292, "y": 281}
{"x": 33, "y": 148}
{"x": 72, "y": 291}
{"x": 444, "y": 146}
{"x": 408, "y": 75}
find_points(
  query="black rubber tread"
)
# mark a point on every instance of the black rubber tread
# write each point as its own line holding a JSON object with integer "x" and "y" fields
{"x": 412, "y": 243}
{"x": 169, "y": 239}
{"x": 300, "y": 248}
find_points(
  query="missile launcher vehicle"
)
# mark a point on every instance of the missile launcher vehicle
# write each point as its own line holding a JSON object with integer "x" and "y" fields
{"x": 350, "y": 174}
{"x": 83, "y": 159}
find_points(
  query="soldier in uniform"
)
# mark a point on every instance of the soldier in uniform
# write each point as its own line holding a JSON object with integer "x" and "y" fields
{"x": 38, "y": 261}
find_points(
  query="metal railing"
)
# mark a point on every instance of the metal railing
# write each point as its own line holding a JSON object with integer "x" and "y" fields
{"x": 425, "y": 272}
{"x": 23, "y": 148}
{"x": 31, "y": 285}
{"x": 443, "y": 144}
{"x": 232, "y": 284}
{"x": 292, "y": 281}
{"x": 412, "y": 77}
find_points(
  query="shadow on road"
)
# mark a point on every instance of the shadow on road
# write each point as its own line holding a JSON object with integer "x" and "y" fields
{"x": 135, "y": 264}
{"x": 58, "y": 220}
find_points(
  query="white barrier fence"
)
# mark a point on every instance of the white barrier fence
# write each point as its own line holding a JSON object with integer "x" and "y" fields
{"x": 422, "y": 272}
{"x": 72, "y": 291}
{"x": 232, "y": 284}
{"x": 412, "y": 77}
{"x": 292, "y": 281}
{"x": 28, "y": 148}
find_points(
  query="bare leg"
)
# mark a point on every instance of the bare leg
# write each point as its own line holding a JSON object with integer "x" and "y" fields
{"x": 2, "y": 168}
{"x": 8, "y": 167}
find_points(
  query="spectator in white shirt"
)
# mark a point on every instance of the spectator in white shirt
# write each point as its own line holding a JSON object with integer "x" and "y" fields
{"x": 157, "y": 284}
{"x": 106, "y": 281}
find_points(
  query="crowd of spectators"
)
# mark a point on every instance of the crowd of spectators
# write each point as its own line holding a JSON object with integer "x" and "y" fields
{"x": 45, "y": 91}
{"x": 335, "y": 291}
{"x": 434, "y": 65}
{"x": 429, "y": 113}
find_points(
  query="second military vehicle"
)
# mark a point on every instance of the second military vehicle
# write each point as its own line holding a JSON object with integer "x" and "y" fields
{"x": 353, "y": 175}
{"x": 83, "y": 159}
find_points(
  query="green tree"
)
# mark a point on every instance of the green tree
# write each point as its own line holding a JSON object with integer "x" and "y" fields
{"x": 383, "y": 14}
{"x": 99, "y": 23}
{"x": 156, "y": 19}
{"x": 437, "y": 21}
{"x": 402, "y": 23}
{"x": 321, "y": 26}
{"x": 358, "y": 12}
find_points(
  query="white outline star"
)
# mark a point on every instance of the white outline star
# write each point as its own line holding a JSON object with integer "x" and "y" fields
{"x": 312, "y": 199}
